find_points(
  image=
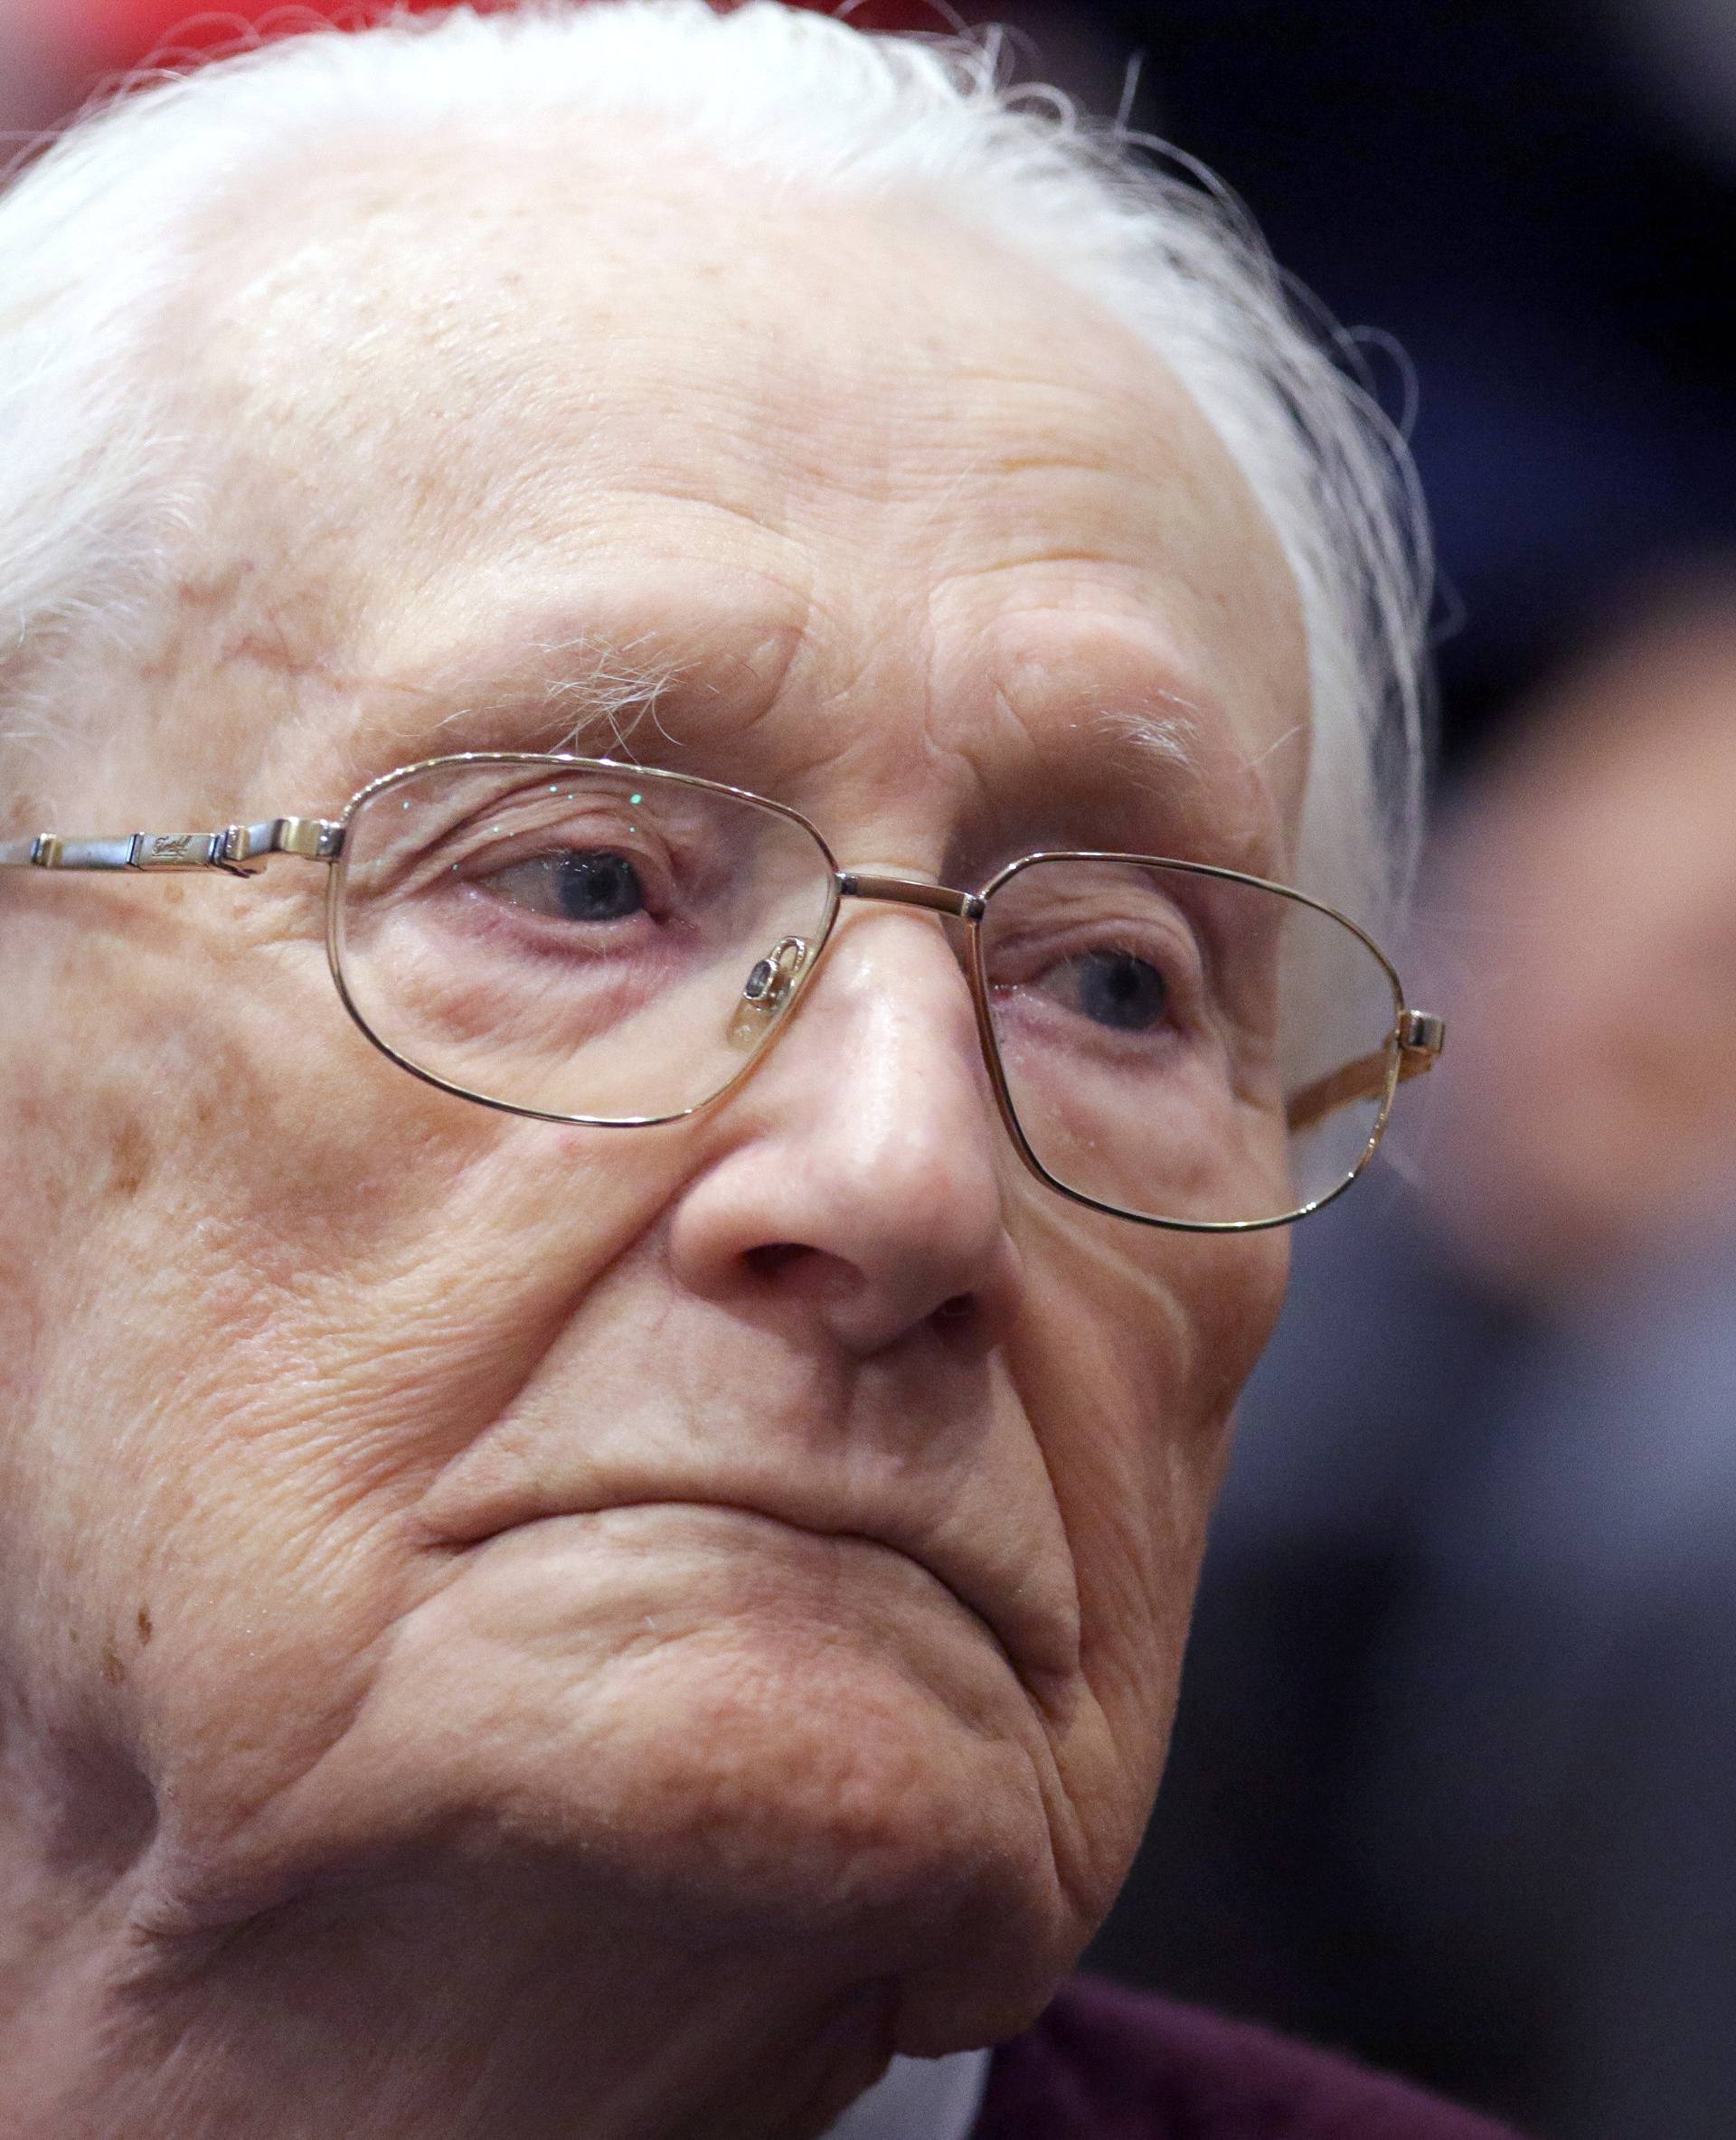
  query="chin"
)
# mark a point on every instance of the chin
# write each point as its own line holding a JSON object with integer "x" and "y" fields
{"x": 810, "y": 1741}
{"x": 827, "y": 1802}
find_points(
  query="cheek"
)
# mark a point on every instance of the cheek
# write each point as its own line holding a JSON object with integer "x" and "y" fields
{"x": 280, "y": 1285}
{"x": 1147, "y": 1340}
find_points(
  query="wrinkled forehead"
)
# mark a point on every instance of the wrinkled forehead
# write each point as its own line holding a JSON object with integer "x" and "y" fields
{"x": 520, "y": 421}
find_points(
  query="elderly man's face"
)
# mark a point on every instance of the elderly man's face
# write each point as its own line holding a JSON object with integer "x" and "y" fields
{"x": 788, "y": 1516}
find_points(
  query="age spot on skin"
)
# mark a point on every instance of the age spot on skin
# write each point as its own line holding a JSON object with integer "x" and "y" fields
{"x": 113, "y": 1670}
{"x": 146, "y": 1627}
{"x": 129, "y": 1159}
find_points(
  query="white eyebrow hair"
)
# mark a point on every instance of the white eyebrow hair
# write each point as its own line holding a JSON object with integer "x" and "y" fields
{"x": 1170, "y": 740}
{"x": 1207, "y": 757}
{"x": 616, "y": 692}
{"x": 600, "y": 684}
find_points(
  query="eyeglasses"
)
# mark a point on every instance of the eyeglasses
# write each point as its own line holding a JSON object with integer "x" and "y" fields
{"x": 585, "y": 942}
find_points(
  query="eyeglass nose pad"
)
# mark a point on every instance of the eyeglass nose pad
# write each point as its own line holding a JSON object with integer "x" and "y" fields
{"x": 767, "y": 989}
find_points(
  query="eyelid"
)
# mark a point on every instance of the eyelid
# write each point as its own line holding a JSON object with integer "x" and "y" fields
{"x": 1188, "y": 958}
{"x": 1074, "y": 935}
{"x": 591, "y": 821}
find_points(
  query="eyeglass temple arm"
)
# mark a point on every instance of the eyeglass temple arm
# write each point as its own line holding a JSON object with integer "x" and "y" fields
{"x": 239, "y": 850}
{"x": 1420, "y": 1037}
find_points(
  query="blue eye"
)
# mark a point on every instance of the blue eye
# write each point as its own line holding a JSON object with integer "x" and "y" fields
{"x": 574, "y": 885}
{"x": 1115, "y": 989}
{"x": 597, "y": 887}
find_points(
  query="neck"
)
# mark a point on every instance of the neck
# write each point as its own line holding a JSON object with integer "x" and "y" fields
{"x": 438, "y": 2009}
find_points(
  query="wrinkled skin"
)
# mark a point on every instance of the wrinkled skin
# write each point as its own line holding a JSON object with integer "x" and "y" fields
{"x": 515, "y": 1628}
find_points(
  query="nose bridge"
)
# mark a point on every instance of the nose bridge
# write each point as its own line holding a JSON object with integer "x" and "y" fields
{"x": 891, "y": 1000}
{"x": 948, "y": 903}
{"x": 868, "y": 1142}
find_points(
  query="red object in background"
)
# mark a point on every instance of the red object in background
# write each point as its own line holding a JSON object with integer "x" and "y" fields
{"x": 112, "y": 34}
{"x": 55, "y": 54}
{"x": 119, "y": 33}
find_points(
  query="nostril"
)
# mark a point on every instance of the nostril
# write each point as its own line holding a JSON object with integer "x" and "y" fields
{"x": 772, "y": 1258}
{"x": 958, "y": 1325}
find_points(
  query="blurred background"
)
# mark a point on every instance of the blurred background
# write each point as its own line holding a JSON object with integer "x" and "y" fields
{"x": 1454, "y": 1782}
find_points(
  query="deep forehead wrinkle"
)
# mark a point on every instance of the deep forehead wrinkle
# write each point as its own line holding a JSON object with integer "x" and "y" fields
{"x": 743, "y": 578}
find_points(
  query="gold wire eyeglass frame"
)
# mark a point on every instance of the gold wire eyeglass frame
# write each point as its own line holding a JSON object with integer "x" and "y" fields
{"x": 1412, "y": 1046}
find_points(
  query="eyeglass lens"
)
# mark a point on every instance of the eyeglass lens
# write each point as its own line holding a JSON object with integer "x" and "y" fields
{"x": 574, "y": 943}
{"x": 616, "y": 945}
{"x": 1184, "y": 1045}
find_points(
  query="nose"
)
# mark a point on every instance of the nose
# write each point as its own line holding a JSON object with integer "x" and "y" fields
{"x": 857, "y": 1175}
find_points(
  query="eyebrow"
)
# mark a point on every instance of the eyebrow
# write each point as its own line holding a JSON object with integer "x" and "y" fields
{"x": 1188, "y": 756}
{"x": 563, "y": 689}
{"x": 1182, "y": 770}
{"x": 1168, "y": 741}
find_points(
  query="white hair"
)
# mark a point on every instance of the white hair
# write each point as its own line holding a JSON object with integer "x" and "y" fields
{"x": 96, "y": 236}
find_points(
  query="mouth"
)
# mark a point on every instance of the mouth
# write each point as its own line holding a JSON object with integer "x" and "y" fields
{"x": 980, "y": 1613}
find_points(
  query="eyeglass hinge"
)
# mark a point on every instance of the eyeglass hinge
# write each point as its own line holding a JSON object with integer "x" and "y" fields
{"x": 244, "y": 848}
{"x": 315, "y": 839}
{"x": 1422, "y": 1033}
